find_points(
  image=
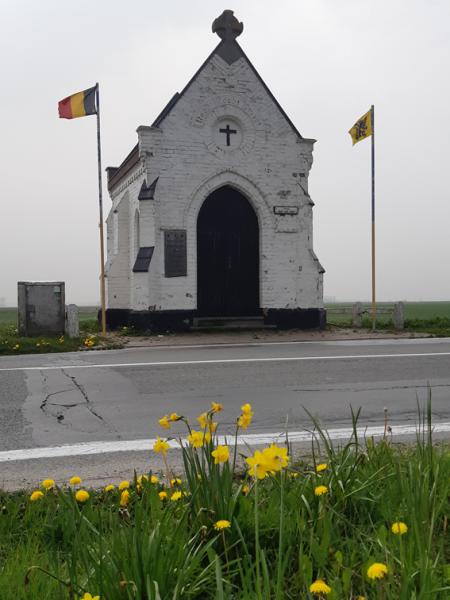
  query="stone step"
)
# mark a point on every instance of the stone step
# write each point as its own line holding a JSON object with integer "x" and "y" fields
{"x": 230, "y": 323}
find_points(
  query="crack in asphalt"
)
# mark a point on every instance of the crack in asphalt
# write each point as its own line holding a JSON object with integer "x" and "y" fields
{"x": 85, "y": 396}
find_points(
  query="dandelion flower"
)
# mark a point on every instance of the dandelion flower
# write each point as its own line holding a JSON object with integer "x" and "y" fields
{"x": 124, "y": 498}
{"x": 48, "y": 484}
{"x": 160, "y": 446}
{"x": 162, "y": 495}
{"x": 88, "y": 596}
{"x": 175, "y": 481}
{"x": 221, "y": 454}
{"x": 109, "y": 488}
{"x": 377, "y": 571}
{"x": 198, "y": 438}
{"x": 82, "y": 496}
{"x": 174, "y": 417}
{"x": 321, "y": 467}
{"x": 154, "y": 479}
{"x": 216, "y": 407}
{"x": 399, "y": 528}
{"x": 320, "y": 490}
{"x": 164, "y": 422}
{"x": 37, "y": 495}
{"x": 75, "y": 480}
{"x": 319, "y": 588}
{"x": 247, "y": 409}
{"x": 176, "y": 496}
{"x": 124, "y": 485}
{"x": 222, "y": 524}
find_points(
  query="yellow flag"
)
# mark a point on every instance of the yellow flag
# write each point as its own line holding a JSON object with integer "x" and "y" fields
{"x": 362, "y": 128}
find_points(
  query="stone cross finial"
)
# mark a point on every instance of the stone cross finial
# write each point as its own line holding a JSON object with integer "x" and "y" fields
{"x": 227, "y": 26}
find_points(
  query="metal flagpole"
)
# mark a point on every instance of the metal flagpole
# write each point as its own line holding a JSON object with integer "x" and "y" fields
{"x": 374, "y": 306}
{"x": 100, "y": 202}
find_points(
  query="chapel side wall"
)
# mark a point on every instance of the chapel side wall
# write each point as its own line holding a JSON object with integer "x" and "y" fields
{"x": 274, "y": 158}
{"x": 126, "y": 289}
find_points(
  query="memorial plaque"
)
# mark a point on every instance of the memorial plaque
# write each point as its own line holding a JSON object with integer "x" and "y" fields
{"x": 175, "y": 259}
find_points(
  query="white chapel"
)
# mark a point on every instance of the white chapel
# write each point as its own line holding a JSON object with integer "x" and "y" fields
{"x": 211, "y": 218}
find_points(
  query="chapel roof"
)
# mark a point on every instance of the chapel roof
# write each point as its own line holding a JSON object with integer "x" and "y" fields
{"x": 227, "y": 28}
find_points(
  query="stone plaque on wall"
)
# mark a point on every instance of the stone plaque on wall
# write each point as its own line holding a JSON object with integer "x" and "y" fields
{"x": 175, "y": 259}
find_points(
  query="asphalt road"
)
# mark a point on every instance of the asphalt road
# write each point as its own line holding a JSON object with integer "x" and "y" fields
{"x": 54, "y": 399}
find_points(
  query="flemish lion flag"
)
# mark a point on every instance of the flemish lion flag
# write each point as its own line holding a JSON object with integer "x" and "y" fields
{"x": 80, "y": 104}
{"x": 362, "y": 128}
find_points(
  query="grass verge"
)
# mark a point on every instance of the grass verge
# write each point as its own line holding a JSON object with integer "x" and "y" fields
{"x": 366, "y": 520}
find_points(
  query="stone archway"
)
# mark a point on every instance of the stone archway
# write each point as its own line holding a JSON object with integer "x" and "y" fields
{"x": 227, "y": 256}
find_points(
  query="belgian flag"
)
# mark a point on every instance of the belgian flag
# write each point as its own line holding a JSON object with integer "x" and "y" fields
{"x": 80, "y": 104}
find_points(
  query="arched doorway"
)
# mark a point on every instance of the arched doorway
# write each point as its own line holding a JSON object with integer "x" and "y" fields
{"x": 227, "y": 256}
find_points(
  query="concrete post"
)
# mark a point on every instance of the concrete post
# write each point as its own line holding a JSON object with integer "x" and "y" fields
{"x": 72, "y": 321}
{"x": 357, "y": 314}
{"x": 399, "y": 315}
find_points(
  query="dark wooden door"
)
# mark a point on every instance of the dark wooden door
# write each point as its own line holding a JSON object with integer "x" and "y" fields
{"x": 227, "y": 256}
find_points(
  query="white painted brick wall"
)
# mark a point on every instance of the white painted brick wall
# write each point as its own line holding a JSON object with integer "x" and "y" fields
{"x": 270, "y": 168}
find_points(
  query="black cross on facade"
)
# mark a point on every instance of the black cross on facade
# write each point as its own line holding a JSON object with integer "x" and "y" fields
{"x": 228, "y": 131}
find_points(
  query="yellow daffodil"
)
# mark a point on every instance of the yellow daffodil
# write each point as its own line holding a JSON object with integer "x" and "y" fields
{"x": 124, "y": 485}
{"x": 247, "y": 409}
{"x": 294, "y": 474}
{"x": 221, "y": 454}
{"x": 164, "y": 422}
{"x": 37, "y": 495}
{"x": 160, "y": 446}
{"x": 48, "y": 484}
{"x": 321, "y": 467}
{"x": 319, "y": 588}
{"x": 75, "y": 480}
{"x": 203, "y": 420}
{"x": 212, "y": 426}
{"x": 124, "y": 498}
{"x": 399, "y": 528}
{"x": 276, "y": 457}
{"x": 246, "y": 489}
{"x": 88, "y": 596}
{"x": 109, "y": 488}
{"x": 320, "y": 490}
{"x": 162, "y": 495}
{"x": 175, "y": 481}
{"x": 216, "y": 407}
{"x": 141, "y": 479}
{"x": 245, "y": 420}
{"x": 174, "y": 417}
{"x": 222, "y": 524}
{"x": 377, "y": 571}
{"x": 154, "y": 479}
{"x": 258, "y": 466}
{"x": 82, "y": 496}
{"x": 176, "y": 496}
{"x": 198, "y": 438}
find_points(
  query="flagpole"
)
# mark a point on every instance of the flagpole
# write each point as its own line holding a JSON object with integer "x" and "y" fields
{"x": 100, "y": 202}
{"x": 374, "y": 306}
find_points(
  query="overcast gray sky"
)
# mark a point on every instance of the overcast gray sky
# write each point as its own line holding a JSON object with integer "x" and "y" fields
{"x": 326, "y": 61}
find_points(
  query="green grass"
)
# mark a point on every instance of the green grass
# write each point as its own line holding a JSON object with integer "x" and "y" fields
{"x": 282, "y": 535}
{"x": 425, "y": 317}
{"x": 12, "y": 343}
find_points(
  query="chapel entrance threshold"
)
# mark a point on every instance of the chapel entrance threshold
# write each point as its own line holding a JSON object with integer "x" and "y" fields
{"x": 227, "y": 257}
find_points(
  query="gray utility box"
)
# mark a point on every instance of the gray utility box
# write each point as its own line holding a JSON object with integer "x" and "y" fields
{"x": 41, "y": 308}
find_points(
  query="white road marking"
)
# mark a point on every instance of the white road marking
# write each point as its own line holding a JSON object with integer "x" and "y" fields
{"x": 146, "y": 445}
{"x": 172, "y": 363}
